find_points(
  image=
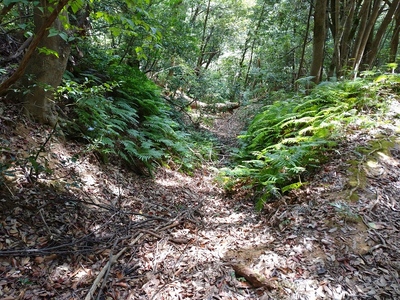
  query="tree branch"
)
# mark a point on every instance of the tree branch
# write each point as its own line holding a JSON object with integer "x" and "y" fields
{"x": 6, "y": 9}
{"x": 32, "y": 47}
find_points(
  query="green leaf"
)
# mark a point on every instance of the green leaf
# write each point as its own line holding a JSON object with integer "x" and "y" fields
{"x": 293, "y": 186}
{"x": 47, "y": 51}
{"x": 53, "y": 32}
{"x": 65, "y": 37}
{"x": 76, "y": 5}
{"x": 115, "y": 31}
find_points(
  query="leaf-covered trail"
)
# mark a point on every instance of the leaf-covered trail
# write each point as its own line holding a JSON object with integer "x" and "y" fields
{"x": 109, "y": 234}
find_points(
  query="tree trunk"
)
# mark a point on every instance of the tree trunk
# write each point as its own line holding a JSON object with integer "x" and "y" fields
{"x": 39, "y": 35}
{"x": 368, "y": 19}
{"x": 236, "y": 85}
{"x": 342, "y": 26}
{"x": 348, "y": 32}
{"x": 44, "y": 71}
{"x": 300, "y": 71}
{"x": 253, "y": 43}
{"x": 373, "y": 50}
{"x": 319, "y": 40}
{"x": 204, "y": 41}
{"x": 394, "y": 43}
{"x": 335, "y": 29}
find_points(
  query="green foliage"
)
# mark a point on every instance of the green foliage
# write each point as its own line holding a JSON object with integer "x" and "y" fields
{"x": 37, "y": 165}
{"x": 47, "y": 51}
{"x": 293, "y": 135}
{"x": 125, "y": 117}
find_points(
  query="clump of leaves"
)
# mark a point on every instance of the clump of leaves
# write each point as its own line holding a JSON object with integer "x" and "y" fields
{"x": 125, "y": 117}
{"x": 293, "y": 135}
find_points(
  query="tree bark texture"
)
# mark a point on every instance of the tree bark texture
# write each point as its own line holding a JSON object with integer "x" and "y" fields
{"x": 369, "y": 14}
{"x": 349, "y": 28}
{"x": 372, "y": 51}
{"x": 319, "y": 40}
{"x": 356, "y": 37}
{"x": 394, "y": 42}
{"x": 300, "y": 71}
{"x": 339, "y": 16}
{"x": 204, "y": 41}
{"x": 39, "y": 74}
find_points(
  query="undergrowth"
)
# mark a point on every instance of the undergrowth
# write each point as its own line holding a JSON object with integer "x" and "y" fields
{"x": 293, "y": 135}
{"x": 120, "y": 113}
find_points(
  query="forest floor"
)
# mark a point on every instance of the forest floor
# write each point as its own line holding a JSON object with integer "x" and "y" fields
{"x": 92, "y": 231}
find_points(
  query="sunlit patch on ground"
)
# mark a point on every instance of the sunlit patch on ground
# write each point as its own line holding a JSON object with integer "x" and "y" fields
{"x": 181, "y": 237}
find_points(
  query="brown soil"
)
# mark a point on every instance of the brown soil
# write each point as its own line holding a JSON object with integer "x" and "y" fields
{"x": 89, "y": 231}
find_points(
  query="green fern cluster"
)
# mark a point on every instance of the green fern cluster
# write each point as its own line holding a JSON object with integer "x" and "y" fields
{"x": 126, "y": 118}
{"x": 292, "y": 135}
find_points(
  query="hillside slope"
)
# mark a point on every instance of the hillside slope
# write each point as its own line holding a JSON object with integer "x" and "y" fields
{"x": 88, "y": 231}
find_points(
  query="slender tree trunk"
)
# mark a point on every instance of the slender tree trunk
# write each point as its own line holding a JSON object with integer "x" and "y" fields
{"x": 253, "y": 43}
{"x": 347, "y": 35}
{"x": 363, "y": 16}
{"x": 394, "y": 43}
{"x": 373, "y": 50}
{"x": 196, "y": 12}
{"x": 204, "y": 41}
{"x": 211, "y": 55}
{"x": 319, "y": 40}
{"x": 246, "y": 78}
{"x": 236, "y": 86}
{"x": 368, "y": 20}
{"x": 336, "y": 35}
{"x": 300, "y": 71}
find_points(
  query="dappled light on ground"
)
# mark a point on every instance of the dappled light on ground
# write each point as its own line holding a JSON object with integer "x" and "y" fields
{"x": 105, "y": 232}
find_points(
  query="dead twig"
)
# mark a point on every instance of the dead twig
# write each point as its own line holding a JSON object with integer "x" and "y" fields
{"x": 151, "y": 233}
{"x": 45, "y": 223}
{"x": 109, "y": 267}
{"x": 112, "y": 260}
{"x": 172, "y": 225}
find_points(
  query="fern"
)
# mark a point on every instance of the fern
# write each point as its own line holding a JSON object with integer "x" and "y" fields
{"x": 125, "y": 117}
{"x": 292, "y": 135}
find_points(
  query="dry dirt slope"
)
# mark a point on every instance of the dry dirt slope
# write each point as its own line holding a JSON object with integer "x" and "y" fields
{"x": 99, "y": 232}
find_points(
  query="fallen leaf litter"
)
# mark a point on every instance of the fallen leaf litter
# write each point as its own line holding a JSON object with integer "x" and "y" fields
{"x": 113, "y": 235}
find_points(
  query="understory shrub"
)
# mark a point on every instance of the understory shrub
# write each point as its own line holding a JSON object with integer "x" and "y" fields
{"x": 124, "y": 116}
{"x": 292, "y": 135}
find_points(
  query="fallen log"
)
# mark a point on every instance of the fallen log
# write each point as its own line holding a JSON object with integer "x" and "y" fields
{"x": 196, "y": 104}
{"x": 220, "y": 107}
